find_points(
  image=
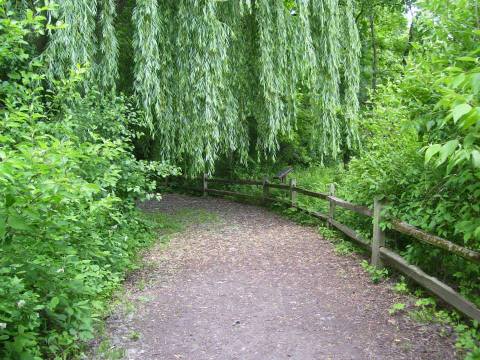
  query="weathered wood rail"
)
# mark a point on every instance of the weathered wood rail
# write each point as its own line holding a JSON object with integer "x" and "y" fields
{"x": 379, "y": 253}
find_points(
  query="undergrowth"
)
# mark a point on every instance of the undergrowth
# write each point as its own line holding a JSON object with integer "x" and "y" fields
{"x": 69, "y": 184}
{"x": 424, "y": 309}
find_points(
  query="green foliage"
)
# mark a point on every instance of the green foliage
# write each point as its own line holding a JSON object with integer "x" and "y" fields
{"x": 73, "y": 41}
{"x": 351, "y": 75}
{"x": 68, "y": 184}
{"x": 134, "y": 335}
{"x": 345, "y": 247}
{"x": 396, "y": 308}
{"x": 467, "y": 334}
{"x": 390, "y": 36}
{"x": 401, "y": 287}
{"x": 276, "y": 78}
{"x": 107, "y": 69}
{"x": 425, "y": 310}
{"x": 326, "y": 31}
{"x": 377, "y": 275}
{"x": 147, "y": 57}
{"x": 458, "y": 155}
{"x": 390, "y": 156}
{"x": 108, "y": 352}
{"x": 248, "y": 61}
{"x": 468, "y": 340}
{"x": 420, "y": 145}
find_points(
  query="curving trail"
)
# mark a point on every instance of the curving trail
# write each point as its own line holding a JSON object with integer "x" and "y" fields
{"x": 254, "y": 285}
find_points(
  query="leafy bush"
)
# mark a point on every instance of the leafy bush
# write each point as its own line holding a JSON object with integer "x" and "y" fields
{"x": 68, "y": 184}
{"x": 434, "y": 187}
{"x": 420, "y": 153}
{"x": 389, "y": 161}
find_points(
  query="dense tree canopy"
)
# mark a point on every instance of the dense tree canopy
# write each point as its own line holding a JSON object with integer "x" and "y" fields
{"x": 204, "y": 72}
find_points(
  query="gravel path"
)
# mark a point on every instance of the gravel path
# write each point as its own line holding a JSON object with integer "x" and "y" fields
{"x": 254, "y": 285}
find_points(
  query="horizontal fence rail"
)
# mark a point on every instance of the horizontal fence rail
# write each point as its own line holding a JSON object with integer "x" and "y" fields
{"x": 436, "y": 241}
{"x": 311, "y": 193}
{"x": 379, "y": 253}
{"x": 346, "y": 205}
{"x": 236, "y": 182}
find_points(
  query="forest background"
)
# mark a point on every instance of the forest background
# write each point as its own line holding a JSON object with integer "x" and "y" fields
{"x": 101, "y": 99}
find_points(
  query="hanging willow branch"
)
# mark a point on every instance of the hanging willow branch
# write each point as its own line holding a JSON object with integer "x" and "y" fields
{"x": 75, "y": 43}
{"x": 207, "y": 112}
{"x": 306, "y": 59}
{"x": 326, "y": 93}
{"x": 351, "y": 75}
{"x": 242, "y": 78}
{"x": 277, "y": 80}
{"x": 207, "y": 72}
{"x": 166, "y": 124}
{"x": 107, "y": 66}
{"x": 147, "y": 57}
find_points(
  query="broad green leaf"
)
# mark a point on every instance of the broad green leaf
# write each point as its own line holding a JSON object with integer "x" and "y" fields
{"x": 475, "y": 82}
{"x": 431, "y": 151}
{"x": 472, "y": 119}
{"x": 476, "y": 158}
{"x": 467, "y": 59}
{"x": 2, "y": 228}
{"x": 459, "y": 79}
{"x": 17, "y": 222}
{"x": 477, "y": 232}
{"x": 447, "y": 150}
{"x": 453, "y": 69}
{"x": 460, "y": 110}
{"x": 54, "y": 302}
{"x": 9, "y": 200}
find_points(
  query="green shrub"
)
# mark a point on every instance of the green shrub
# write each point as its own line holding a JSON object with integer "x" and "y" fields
{"x": 69, "y": 228}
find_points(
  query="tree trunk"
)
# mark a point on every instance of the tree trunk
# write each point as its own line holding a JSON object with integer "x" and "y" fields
{"x": 411, "y": 35}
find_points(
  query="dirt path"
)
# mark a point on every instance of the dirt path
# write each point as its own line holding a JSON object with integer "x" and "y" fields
{"x": 254, "y": 285}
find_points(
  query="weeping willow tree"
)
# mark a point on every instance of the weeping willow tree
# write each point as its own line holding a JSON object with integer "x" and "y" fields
{"x": 326, "y": 91}
{"x": 75, "y": 43}
{"x": 84, "y": 35}
{"x": 147, "y": 58}
{"x": 107, "y": 64}
{"x": 351, "y": 76}
{"x": 207, "y": 72}
{"x": 277, "y": 78}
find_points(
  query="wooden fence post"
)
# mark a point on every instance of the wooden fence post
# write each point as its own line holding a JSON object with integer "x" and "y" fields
{"x": 331, "y": 212}
{"x": 205, "y": 184}
{"x": 266, "y": 190}
{"x": 293, "y": 192}
{"x": 378, "y": 240}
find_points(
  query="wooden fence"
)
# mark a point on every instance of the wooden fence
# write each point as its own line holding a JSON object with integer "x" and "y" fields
{"x": 379, "y": 253}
